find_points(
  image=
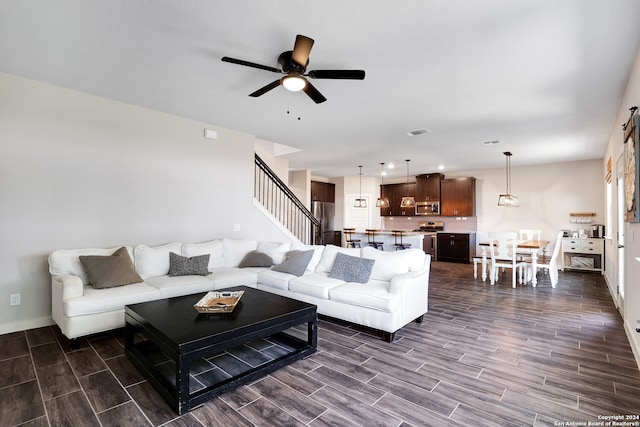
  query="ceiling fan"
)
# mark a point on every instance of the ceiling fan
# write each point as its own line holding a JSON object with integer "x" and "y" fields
{"x": 294, "y": 64}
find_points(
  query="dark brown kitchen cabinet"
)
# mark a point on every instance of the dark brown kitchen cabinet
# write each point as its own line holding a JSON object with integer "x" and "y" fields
{"x": 395, "y": 193}
{"x": 323, "y": 192}
{"x": 428, "y": 187}
{"x": 458, "y": 197}
{"x": 456, "y": 247}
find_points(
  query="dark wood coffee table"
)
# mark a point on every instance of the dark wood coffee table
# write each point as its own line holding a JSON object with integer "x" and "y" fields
{"x": 190, "y": 358}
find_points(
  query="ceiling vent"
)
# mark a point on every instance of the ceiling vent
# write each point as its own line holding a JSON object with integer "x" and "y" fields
{"x": 494, "y": 142}
{"x": 418, "y": 132}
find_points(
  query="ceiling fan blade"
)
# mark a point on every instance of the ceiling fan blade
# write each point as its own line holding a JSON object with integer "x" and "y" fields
{"x": 313, "y": 93}
{"x": 337, "y": 74}
{"x": 250, "y": 64}
{"x": 301, "y": 50}
{"x": 274, "y": 84}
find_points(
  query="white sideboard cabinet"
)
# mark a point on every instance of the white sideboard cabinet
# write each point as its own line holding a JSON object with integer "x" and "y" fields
{"x": 583, "y": 254}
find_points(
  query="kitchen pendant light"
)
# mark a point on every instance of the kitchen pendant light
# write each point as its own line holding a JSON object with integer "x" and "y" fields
{"x": 360, "y": 202}
{"x": 408, "y": 201}
{"x": 382, "y": 202}
{"x": 508, "y": 199}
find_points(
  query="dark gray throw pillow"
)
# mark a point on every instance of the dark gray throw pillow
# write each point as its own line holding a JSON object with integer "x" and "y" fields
{"x": 185, "y": 266}
{"x": 351, "y": 268}
{"x": 295, "y": 262}
{"x": 111, "y": 270}
{"x": 256, "y": 259}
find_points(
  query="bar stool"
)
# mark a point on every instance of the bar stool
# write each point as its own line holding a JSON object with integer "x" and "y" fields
{"x": 351, "y": 243}
{"x": 400, "y": 246}
{"x": 371, "y": 235}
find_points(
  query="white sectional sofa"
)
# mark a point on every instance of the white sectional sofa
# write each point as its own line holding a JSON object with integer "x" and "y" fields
{"x": 394, "y": 294}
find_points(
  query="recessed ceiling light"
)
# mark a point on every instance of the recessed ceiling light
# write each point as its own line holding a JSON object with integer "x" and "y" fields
{"x": 418, "y": 132}
{"x": 494, "y": 142}
{"x": 441, "y": 167}
{"x": 390, "y": 166}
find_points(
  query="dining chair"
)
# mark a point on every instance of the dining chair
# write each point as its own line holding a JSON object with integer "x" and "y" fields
{"x": 549, "y": 263}
{"x": 528, "y": 234}
{"x": 503, "y": 255}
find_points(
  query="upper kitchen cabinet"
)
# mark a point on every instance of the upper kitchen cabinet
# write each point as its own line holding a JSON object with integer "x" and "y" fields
{"x": 428, "y": 187}
{"x": 395, "y": 193}
{"x": 458, "y": 196}
{"x": 323, "y": 192}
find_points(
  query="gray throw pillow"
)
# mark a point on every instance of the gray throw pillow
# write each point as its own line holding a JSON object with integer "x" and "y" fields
{"x": 351, "y": 268}
{"x": 185, "y": 266}
{"x": 110, "y": 271}
{"x": 256, "y": 259}
{"x": 295, "y": 262}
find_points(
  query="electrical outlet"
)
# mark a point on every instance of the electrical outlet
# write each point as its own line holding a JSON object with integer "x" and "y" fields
{"x": 14, "y": 299}
{"x": 236, "y": 227}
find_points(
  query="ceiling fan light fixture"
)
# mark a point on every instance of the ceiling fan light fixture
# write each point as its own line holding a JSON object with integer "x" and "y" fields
{"x": 294, "y": 83}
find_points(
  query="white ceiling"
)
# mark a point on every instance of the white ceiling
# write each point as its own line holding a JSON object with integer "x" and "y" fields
{"x": 544, "y": 77}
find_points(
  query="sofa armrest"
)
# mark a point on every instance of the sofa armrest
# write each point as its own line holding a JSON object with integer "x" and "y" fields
{"x": 71, "y": 286}
{"x": 413, "y": 288}
{"x": 409, "y": 282}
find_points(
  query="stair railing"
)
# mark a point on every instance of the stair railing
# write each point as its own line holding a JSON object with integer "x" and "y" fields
{"x": 280, "y": 201}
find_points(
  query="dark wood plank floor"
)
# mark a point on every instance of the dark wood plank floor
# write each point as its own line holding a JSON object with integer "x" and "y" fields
{"x": 484, "y": 356}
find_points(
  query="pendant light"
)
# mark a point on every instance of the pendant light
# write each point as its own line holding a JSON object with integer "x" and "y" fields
{"x": 508, "y": 199}
{"x": 360, "y": 202}
{"x": 408, "y": 201}
{"x": 382, "y": 202}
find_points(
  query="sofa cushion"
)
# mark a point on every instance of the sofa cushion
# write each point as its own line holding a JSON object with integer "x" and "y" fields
{"x": 213, "y": 248}
{"x": 295, "y": 262}
{"x": 316, "y": 285}
{"x": 188, "y": 266}
{"x": 110, "y": 270}
{"x": 256, "y": 259}
{"x": 374, "y": 294}
{"x": 235, "y": 250}
{"x": 67, "y": 261}
{"x": 95, "y": 301}
{"x": 275, "y": 279}
{"x": 329, "y": 256}
{"x": 153, "y": 261}
{"x": 389, "y": 264}
{"x": 275, "y": 250}
{"x": 318, "y": 250}
{"x": 351, "y": 269}
{"x": 169, "y": 286}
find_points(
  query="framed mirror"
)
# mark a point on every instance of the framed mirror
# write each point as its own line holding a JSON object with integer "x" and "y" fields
{"x": 632, "y": 168}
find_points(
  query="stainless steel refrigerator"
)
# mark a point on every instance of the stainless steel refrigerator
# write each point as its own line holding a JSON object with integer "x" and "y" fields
{"x": 324, "y": 211}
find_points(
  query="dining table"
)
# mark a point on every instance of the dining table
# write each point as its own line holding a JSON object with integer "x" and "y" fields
{"x": 533, "y": 245}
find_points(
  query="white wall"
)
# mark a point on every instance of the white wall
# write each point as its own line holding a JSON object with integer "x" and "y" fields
{"x": 631, "y": 308}
{"x": 547, "y": 194}
{"x": 82, "y": 171}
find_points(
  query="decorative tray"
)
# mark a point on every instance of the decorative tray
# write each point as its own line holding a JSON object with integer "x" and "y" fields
{"x": 218, "y": 302}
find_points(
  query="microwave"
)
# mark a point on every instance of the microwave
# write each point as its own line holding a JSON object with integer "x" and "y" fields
{"x": 427, "y": 208}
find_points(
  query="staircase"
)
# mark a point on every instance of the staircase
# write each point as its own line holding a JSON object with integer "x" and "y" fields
{"x": 279, "y": 201}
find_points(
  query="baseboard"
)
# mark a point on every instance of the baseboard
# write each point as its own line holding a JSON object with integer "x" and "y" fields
{"x": 634, "y": 340}
{"x": 23, "y": 325}
{"x": 612, "y": 291}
